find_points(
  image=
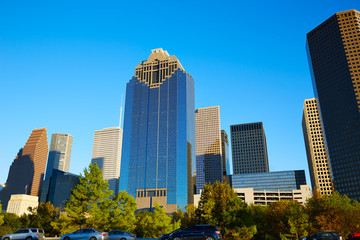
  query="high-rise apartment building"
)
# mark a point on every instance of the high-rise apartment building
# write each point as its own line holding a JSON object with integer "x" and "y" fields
{"x": 59, "y": 153}
{"x": 107, "y": 154}
{"x": 317, "y": 155}
{"x": 227, "y": 165}
{"x": 27, "y": 171}
{"x": 333, "y": 50}
{"x": 209, "y": 165}
{"x": 249, "y": 151}
{"x": 158, "y": 155}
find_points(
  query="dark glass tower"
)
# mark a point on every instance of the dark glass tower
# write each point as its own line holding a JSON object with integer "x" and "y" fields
{"x": 333, "y": 54}
{"x": 158, "y": 153}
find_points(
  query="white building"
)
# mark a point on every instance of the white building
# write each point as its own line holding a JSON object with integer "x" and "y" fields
{"x": 107, "y": 154}
{"x": 250, "y": 196}
{"x": 19, "y": 203}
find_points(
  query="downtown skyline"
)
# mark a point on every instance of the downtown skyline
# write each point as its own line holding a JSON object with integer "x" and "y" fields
{"x": 247, "y": 86}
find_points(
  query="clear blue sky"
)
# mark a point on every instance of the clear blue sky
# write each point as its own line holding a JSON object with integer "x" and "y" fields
{"x": 65, "y": 64}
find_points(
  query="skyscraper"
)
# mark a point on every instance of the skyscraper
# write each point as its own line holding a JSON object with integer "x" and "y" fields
{"x": 107, "y": 154}
{"x": 333, "y": 54}
{"x": 227, "y": 165}
{"x": 59, "y": 154}
{"x": 249, "y": 151}
{"x": 209, "y": 164}
{"x": 158, "y": 155}
{"x": 317, "y": 155}
{"x": 27, "y": 171}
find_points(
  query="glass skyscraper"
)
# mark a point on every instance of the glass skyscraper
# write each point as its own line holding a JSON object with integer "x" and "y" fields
{"x": 333, "y": 50}
{"x": 158, "y": 153}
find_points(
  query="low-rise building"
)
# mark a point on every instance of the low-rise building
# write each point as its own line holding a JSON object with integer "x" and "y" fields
{"x": 19, "y": 203}
{"x": 251, "y": 196}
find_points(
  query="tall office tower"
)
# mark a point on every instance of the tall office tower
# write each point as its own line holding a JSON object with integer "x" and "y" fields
{"x": 158, "y": 156}
{"x": 107, "y": 154}
{"x": 249, "y": 151}
{"x": 59, "y": 154}
{"x": 317, "y": 155}
{"x": 209, "y": 165}
{"x": 27, "y": 170}
{"x": 227, "y": 166}
{"x": 333, "y": 54}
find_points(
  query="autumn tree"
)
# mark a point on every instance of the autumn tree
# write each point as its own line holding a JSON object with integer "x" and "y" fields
{"x": 220, "y": 206}
{"x": 334, "y": 212}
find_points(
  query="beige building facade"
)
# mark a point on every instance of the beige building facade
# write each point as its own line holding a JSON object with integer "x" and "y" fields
{"x": 209, "y": 165}
{"x": 316, "y": 151}
{"x": 251, "y": 196}
{"x": 19, "y": 203}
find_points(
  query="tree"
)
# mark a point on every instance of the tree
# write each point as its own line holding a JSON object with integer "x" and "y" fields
{"x": 187, "y": 218}
{"x": 88, "y": 205}
{"x": 1, "y": 216}
{"x": 283, "y": 220}
{"x": 11, "y": 223}
{"x": 334, "y": 212}
{"x": 220, "y": 206}
{"x": 121, "y": 212}
{"x": 42, "y": 216}
{"x": 152, "y": 225}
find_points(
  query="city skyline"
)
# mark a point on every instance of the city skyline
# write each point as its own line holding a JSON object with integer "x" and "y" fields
{"x": 40, "y": 73}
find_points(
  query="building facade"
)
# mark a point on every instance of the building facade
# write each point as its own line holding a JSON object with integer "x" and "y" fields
{"x": 107, "y": 154}
{"x": 28, "y": 169}
{"x": 316, "y": 151}
{"x": 209, "y": 163}
{"x": 333, "y": 54}
{"x": 158, "y": 155}
{"x": 249, "y": 151}
{"x": 59, "y": 153}
{"x": 19, "y": 203}
{"x": 57, "y": 188}
{"x": 227, "y": 164}
{"x": 270, "y": 181}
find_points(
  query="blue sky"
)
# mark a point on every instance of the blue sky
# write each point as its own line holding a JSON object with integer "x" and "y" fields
{"x": 64, "y": 65}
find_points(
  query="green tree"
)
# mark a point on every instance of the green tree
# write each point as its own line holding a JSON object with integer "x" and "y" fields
{"x": 220, "y": 206}
{"x": 121, "y": 213}
{"x": 88, "y": 205}
{"x": 1, "y": 216}
{"x": 187, "y": 218}
{"x": 42, "y": 216}
{"x": 152, "y": 225}
{"x": 11, "y": 223}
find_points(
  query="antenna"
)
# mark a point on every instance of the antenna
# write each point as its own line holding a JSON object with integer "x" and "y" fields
{"x": 122, "y": 95}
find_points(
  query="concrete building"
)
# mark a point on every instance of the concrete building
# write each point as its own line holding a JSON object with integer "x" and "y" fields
{"x": 107, "y": 154}
{"x": 264, "y": 197}
{"x": 158, "y": 154}
{"x": 27, "y": 170}
{"x": 333, "y": 54}
{"x": 249, "y": 151}
{"x": 251, "y": 196}
{"x": 19, "y": 203}
{"x": 316, "y": 151}
{"x": 209, "y": 162}
{"x": 59, "y": 153}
